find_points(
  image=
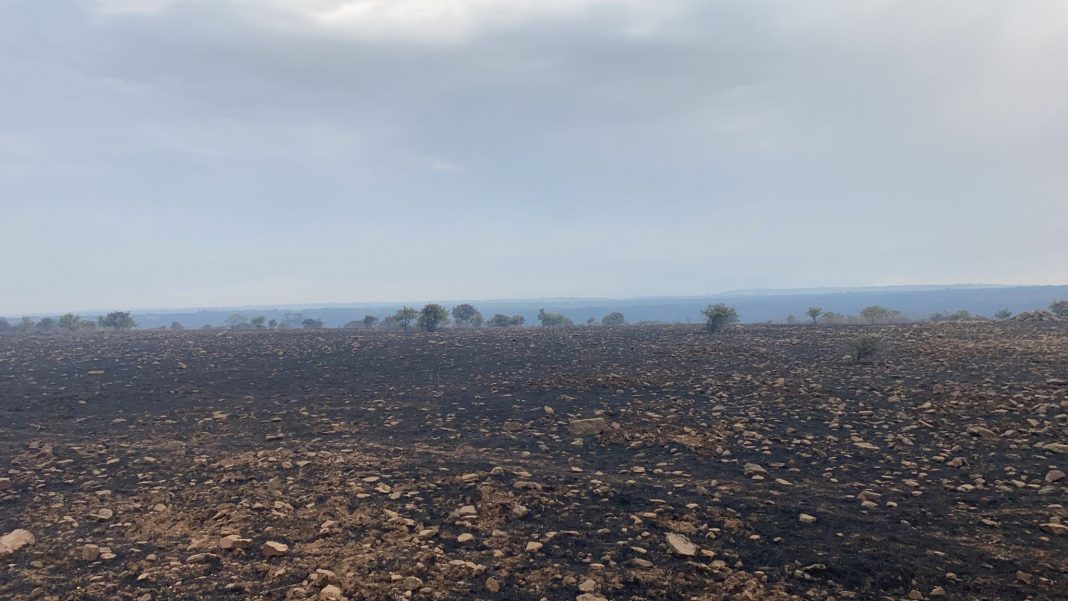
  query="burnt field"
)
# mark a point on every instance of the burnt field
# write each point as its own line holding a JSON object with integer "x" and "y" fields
{"x": 330, "y": 464}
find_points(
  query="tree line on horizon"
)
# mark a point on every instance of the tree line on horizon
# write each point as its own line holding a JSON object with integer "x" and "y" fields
{"x": 433, "y": 317}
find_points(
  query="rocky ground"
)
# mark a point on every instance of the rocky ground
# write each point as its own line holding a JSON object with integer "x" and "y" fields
{"x": 593, "y": 463}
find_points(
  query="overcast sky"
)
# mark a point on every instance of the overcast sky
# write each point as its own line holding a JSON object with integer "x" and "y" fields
{"x": 173, "y": 153}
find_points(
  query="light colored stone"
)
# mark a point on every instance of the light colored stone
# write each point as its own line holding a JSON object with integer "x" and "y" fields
{"x": 534, "y": 546}
{"x": 15, "y": 540}
{"x": 90, "y": 552}
{"x": 1054, "y": 528}
{"x": 680, "y": 545}
{"x": 1054, "y": 476}
{"x": 274, "y": 549}
{"x": 807, "y": 519}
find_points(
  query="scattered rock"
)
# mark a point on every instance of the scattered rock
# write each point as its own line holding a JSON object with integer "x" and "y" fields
{"x": 587, "y": 427}
{"x": 680, "y": 545}
{"x": 274, "y": 549}
{"x": 15, "y": 540}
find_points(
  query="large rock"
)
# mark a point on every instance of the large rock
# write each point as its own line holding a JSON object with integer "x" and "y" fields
{"x": 587, "y": 427}
{"x": 680, "y": 545}
{"x": 15, "y": 540}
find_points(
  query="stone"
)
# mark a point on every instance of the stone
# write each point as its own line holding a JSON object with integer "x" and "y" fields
{"x": 587, "y": 427}
{"x": 534, "y": 546}
{"x": 1054, "y": 528}
{"x": 1054, "y": 476}
{"x": 492, "y": 585}
{"x": 234, "y": 542}
{"x": 15, "y": 540}
{"x": 466, "y": 537}
{"x": 90, "y": 552}
{"x": 274, "y": 549}
{"x": 5, "y": 484}
{"x": 754, "y": 469}
{"x": 330, "y": 592}
{"x": 807, "y": 519}
{"x": 680, "y": 545}
{"x": 203, "y": 558}
{"x": 588, "y": 585}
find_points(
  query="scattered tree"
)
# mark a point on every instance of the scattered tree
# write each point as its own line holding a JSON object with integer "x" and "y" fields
{"x": 117, "y": 320}
{"x": 312, "y": 324}
{"x": 26, "y": 325}
{"x": 719, "y": 316}
{"x": 236, "y": 321}
{"x": 177, "y": 326}
{"x": 405, "y": 316}
{"x": 552, "y": 320}
{"x": 259, "y": 322}
{"x": 70, "y": 322}
{"x": 1059, "y": 308}
{"x": 876, "y": 314}
{"x": 791, "y": 319}
{"x": 467, "y": 315}
{"x": 4, "y": 325}
{"x": 1002, "y": 314}
{"x": 46, "y": 325}
{"x": 352, "y": 325}
{"x": 614, "y": 318}
{"x": 292, "y": 320}
{"x": 814, "y": 314}
{"x": 272, "y": 323}
{"x": 503, "y": 321}
{"x": 432, "y": 317}
{"x": 369, "y": 321}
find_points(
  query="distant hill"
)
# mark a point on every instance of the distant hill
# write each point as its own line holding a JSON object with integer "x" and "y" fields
{"x": 752, "y": 305}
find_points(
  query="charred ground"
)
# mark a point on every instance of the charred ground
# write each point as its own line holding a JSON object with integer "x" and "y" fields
{"x": 932, "y": 473}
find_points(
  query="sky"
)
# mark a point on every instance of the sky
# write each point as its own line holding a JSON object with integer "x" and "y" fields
{"x": 183, "y": 153}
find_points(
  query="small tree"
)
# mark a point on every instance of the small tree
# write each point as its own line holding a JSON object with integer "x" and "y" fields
{"x": 432, "y": 317}
{"x": 369, "y": 321}
{"x": 467, "y": 315}
{"x": 1059, "y": 308}
{"x": 272, "y": 323}
{"x": 312, "y": 324}
{"x": 614, "y": 318}
{"x": 259, "y": 322}
{"x": 719, "y": 316}
{"x": 865, "y": 349}
{"x": 517, "y": 320}
{"x": 814, "y": 314}
{"x": 499, "y": 320}
{"x": 117, "y": 320}
{"x": 46, "y": 325}
{"x": 70, "y": 322}
{"x": 4, "y": 325}
{"x": 1002, "y": 314}
{"x": 236, "y": 321}
{"x": 177, "y": 326}
{"x": 405, "y": 316}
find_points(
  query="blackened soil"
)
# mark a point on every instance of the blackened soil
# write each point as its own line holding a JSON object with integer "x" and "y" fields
{"x": 356, "y": 449}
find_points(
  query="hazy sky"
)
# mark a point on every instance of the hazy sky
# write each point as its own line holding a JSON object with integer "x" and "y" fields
{"x": 161, "y": 153}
